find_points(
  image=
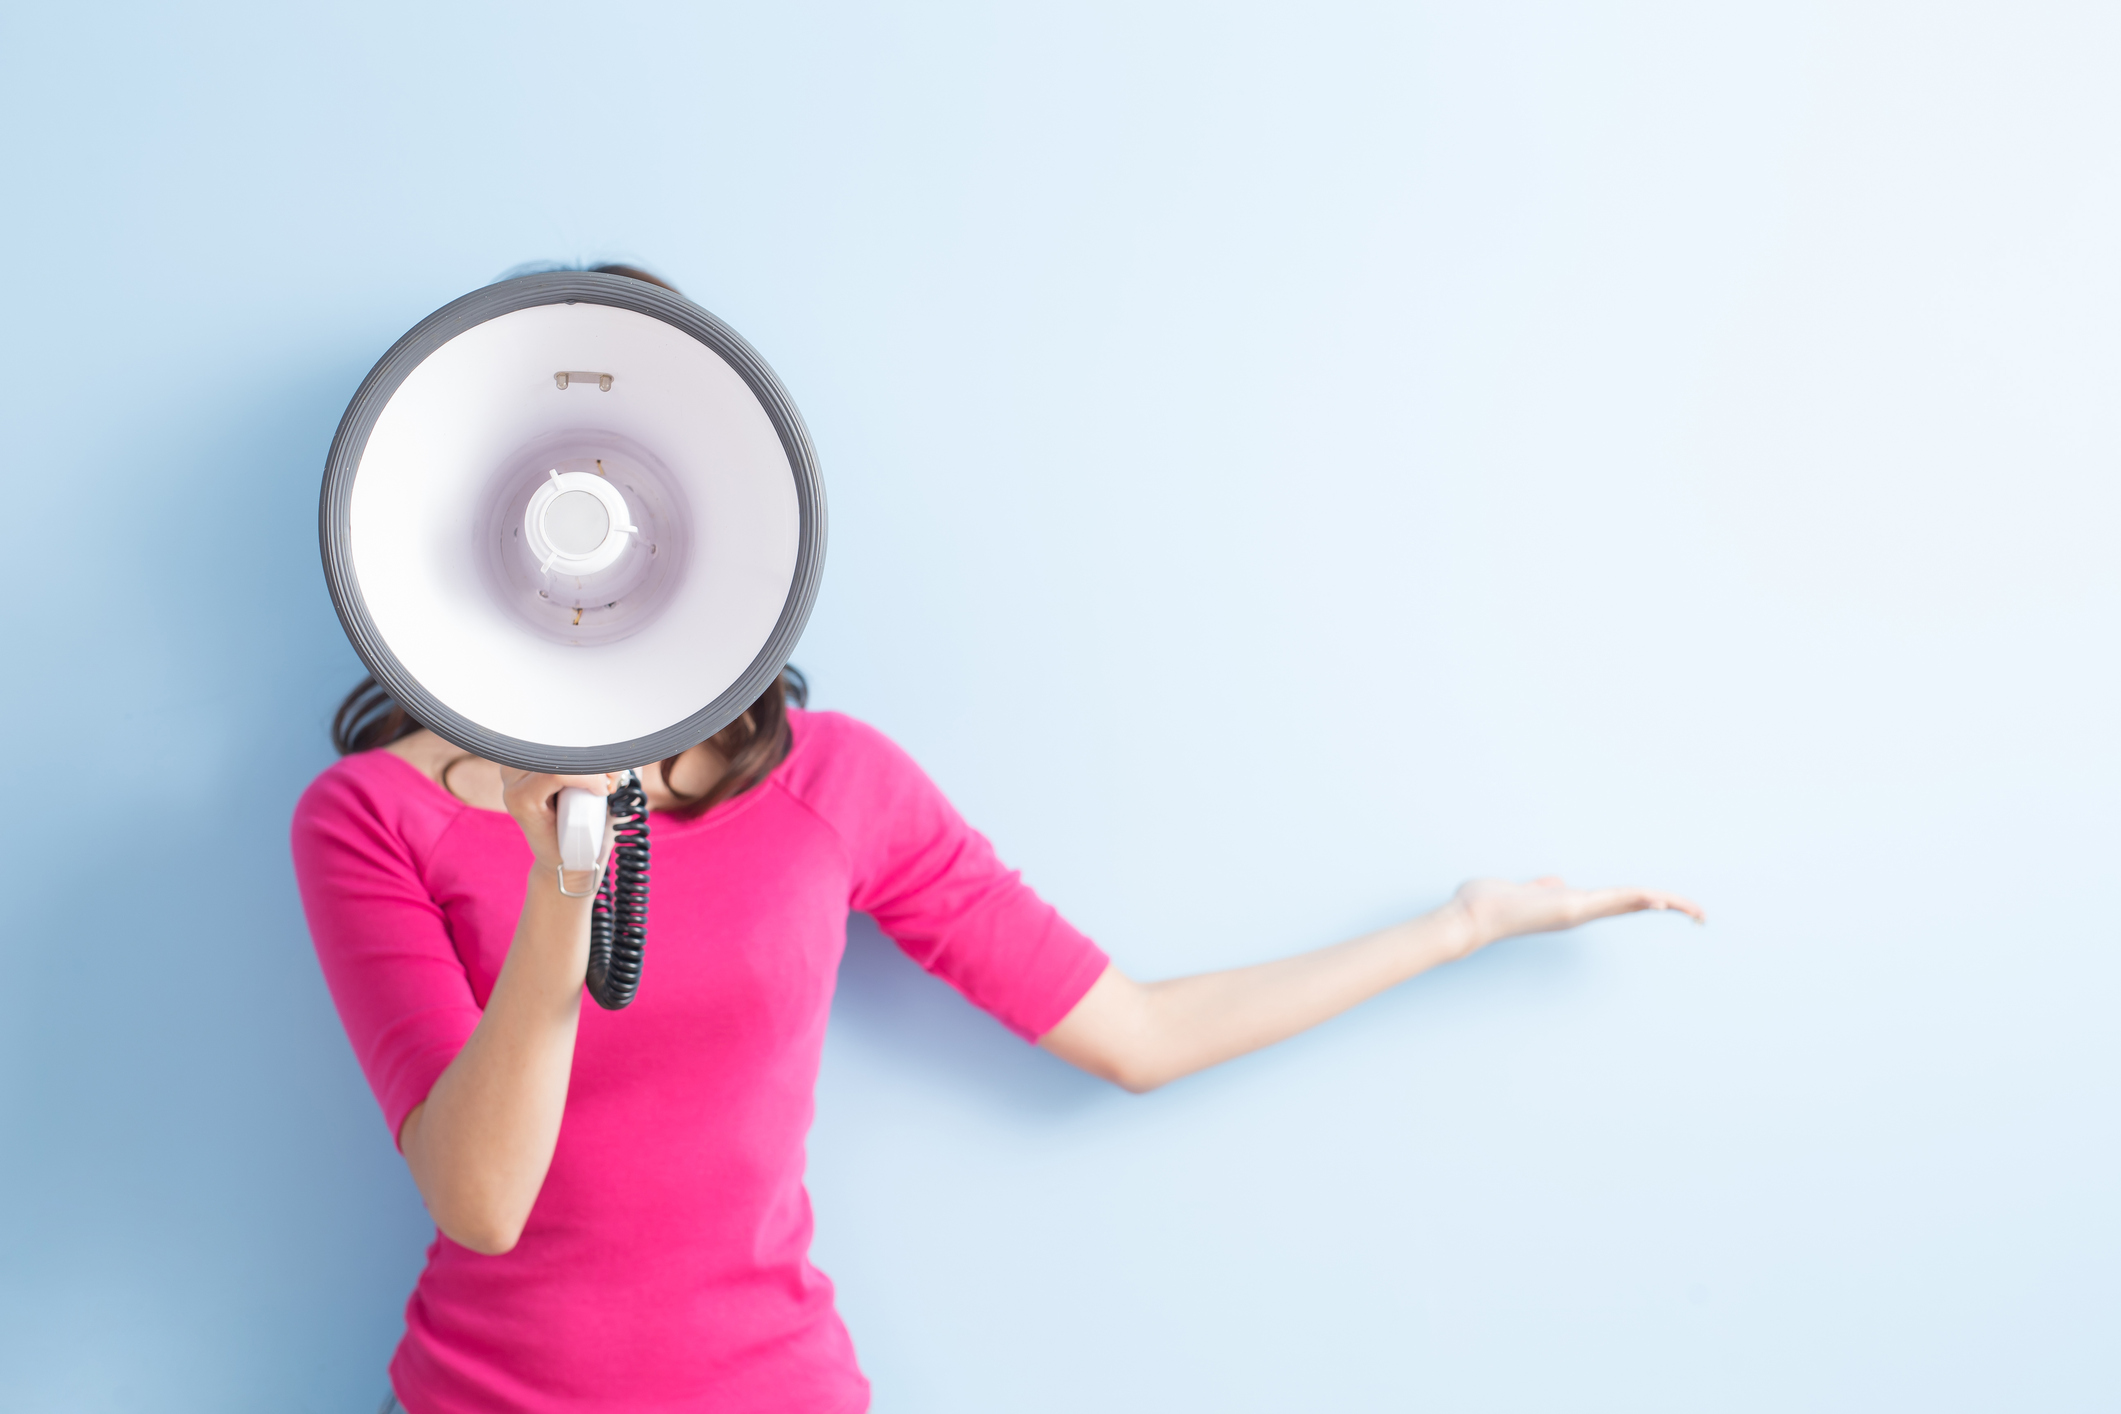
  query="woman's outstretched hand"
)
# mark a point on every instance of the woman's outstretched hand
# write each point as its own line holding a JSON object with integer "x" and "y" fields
{"x": 1495, "y": 909}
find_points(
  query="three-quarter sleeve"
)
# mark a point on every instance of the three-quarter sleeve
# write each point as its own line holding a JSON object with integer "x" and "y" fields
{"x": 401, "y": 990}
{"x": 934, "y": 885}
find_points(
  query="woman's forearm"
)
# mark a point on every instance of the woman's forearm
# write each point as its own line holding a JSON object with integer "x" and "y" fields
{"x": 1142, "y": 1035}
{"x": 480, "y": 1146}
{"x": 1145, "y": 1036}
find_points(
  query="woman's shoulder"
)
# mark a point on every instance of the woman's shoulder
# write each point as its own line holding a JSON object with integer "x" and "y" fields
{"x": 841, "y": 761}
{"x": 369, "y": 789}
{"x": 838, "y": 740}
{"x": 833, "y": 733}
{"x": 889, "y": 816}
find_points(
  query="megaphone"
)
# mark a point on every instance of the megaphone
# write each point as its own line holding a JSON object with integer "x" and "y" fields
{"x": 572, "y": 522}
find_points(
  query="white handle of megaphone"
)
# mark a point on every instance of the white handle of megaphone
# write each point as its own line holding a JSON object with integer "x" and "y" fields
{"x": 582, "y": 816}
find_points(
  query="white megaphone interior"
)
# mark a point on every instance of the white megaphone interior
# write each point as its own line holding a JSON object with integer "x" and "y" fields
{"x": 449, "y": 467}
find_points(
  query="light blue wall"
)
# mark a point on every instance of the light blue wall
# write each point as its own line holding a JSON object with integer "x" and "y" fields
{"x": 1282, "y": 461}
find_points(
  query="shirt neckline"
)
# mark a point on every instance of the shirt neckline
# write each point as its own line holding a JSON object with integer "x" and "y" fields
{"x": 661, "y": 823}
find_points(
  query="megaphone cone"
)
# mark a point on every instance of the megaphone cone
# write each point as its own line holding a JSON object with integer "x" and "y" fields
{"x": 573, "y": 523}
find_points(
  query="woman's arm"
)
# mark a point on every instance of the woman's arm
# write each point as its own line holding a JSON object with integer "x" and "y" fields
{"x": 1142, "y": 1035}
{"x": 480, "y": 1144}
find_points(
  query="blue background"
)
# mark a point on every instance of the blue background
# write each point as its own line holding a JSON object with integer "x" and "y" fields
{"x": 1283, "y": 460}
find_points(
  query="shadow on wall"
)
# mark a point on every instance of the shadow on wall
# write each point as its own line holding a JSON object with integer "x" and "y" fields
{"x": 890, "y": 1010}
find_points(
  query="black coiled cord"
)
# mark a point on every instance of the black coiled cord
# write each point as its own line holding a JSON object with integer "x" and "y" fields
{"x": 618, "y": 920}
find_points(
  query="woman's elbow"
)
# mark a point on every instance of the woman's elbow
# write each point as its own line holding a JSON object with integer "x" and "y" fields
{"x": 484, "y": 1228}
{"x": 1114, "y": 1065}
{"x": 495, "y": 1245}
{"x": 1109, "y": 1059}
{"x": 1112, "y": 1035}
{"x": 1137, "y": 1075}
{"x": 490, "y": 1238}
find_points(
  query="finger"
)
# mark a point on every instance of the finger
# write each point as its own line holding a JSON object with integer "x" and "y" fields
{"x": 1679, "y": 903}
{"x": 540, "y": 790}
{"x": 1658, "y": 900}
{"x": 532, "y": 784}
{"x": 1610, "y": 903}
{"x": 1549, "y": 881}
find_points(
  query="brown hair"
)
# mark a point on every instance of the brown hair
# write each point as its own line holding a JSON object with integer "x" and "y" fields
{"x": 635, "y": 272}
{"x": 753, "y": 744}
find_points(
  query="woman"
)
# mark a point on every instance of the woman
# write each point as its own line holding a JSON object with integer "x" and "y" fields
{"x": 621, "y": 1220}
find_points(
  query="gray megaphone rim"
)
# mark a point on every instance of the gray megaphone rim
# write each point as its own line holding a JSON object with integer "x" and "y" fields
{"x": 335, "y": 530}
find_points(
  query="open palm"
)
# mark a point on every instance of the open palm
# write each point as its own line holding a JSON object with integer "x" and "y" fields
{"x": 1503, "y": 908}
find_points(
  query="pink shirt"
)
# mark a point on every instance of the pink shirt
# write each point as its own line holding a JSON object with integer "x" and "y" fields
{"x": 665, "y": 1265}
